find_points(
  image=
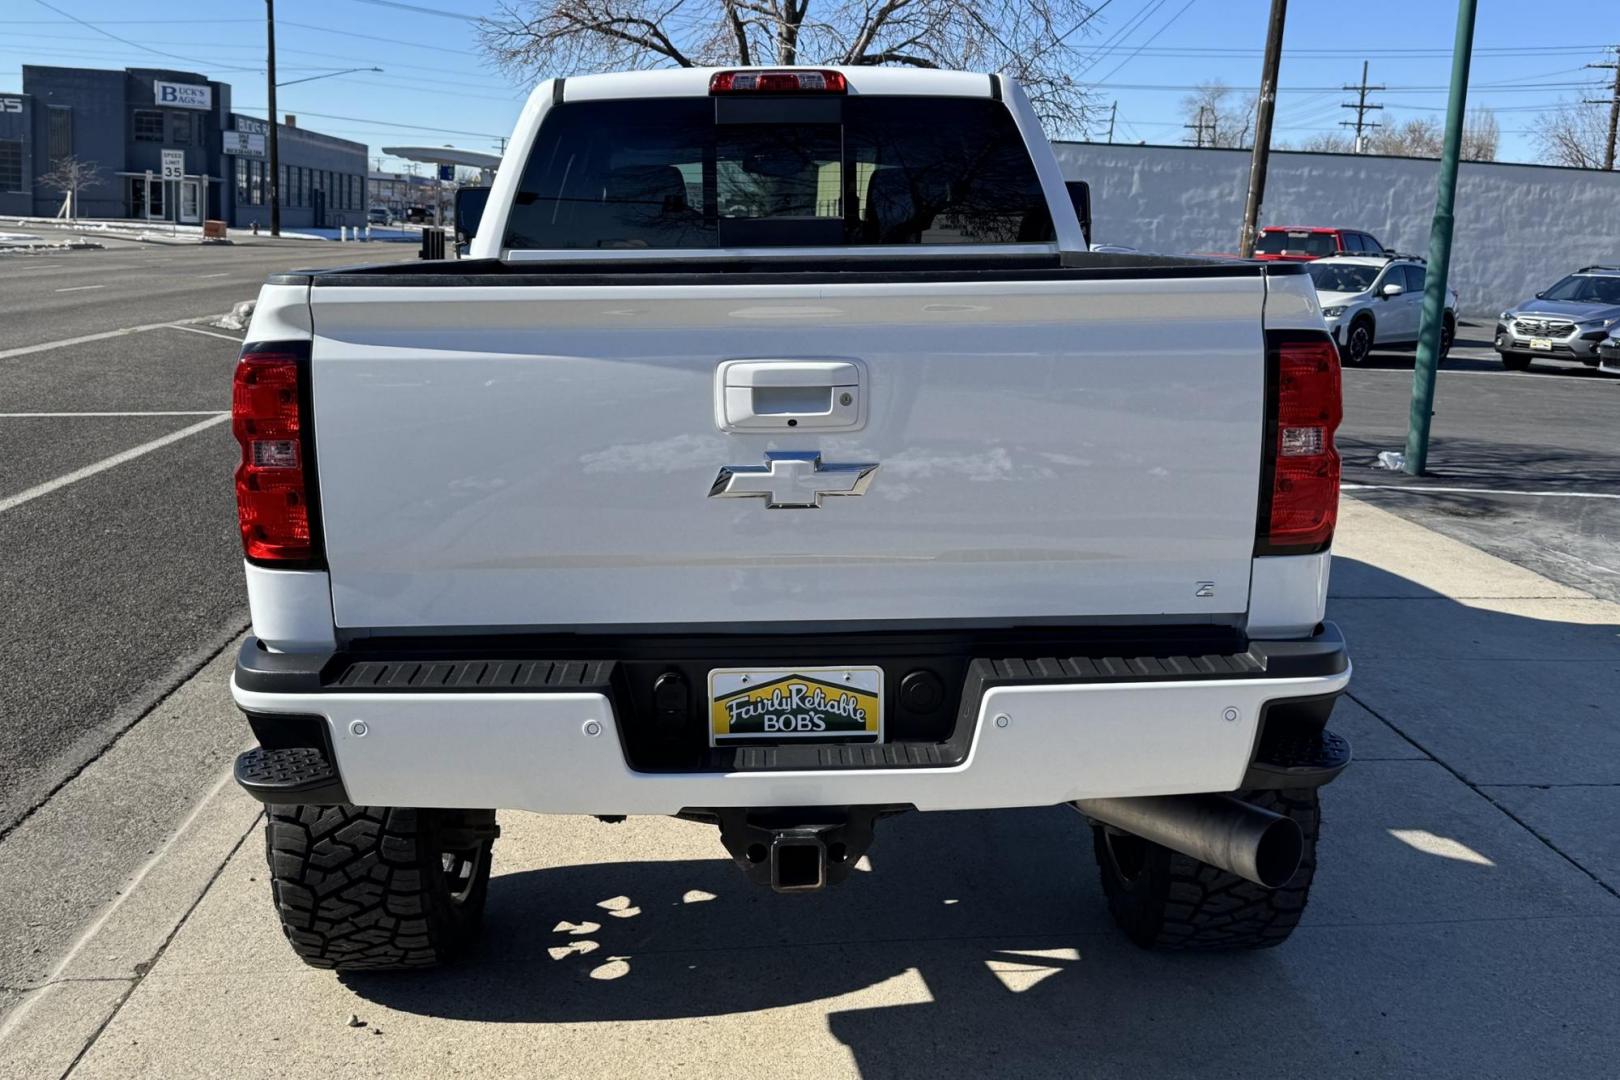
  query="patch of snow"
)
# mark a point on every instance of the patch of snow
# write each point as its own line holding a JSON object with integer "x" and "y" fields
{"x": 237, "y": 318}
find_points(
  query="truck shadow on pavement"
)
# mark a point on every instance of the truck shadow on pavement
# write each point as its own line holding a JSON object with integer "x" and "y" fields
{"x": 980, "y": 943}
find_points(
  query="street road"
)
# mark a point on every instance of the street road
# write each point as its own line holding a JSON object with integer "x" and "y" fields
{"x": 118, "y": 582}
{"x": 1537, "y": 455}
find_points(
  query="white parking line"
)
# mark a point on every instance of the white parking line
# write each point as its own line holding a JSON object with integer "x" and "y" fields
{"x": 11, "y": 502}
{"x": 80, "y": 288}
{"x": 1479, "y": 491}
{"x": 222, "y": 273}
{"x": 44, "y": 346}
{"x": 1565, "y": 374}
{"x": 154, "y": 412}
{"x": 208, "y": 333}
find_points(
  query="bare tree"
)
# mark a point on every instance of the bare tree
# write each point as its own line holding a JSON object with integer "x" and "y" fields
{"x": 1576, "y": 135}
{"x": 1220, "y": 117}
{"x": 1420, "y": 137}
{"x": 1426, "y": 138}
{"x": 70, "y": 176}
{"x": 1034, "y": 41}
{"x": 1328, "y": 142}
{"x": 1481, "y": 136}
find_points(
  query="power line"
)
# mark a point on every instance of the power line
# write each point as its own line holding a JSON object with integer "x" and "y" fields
{"x": 126, "y": 41}
{"x": 1118, "y": 37}
{"x": 370, "y": 120}
{"x": 1170, "y": 22}
{"x": 122, "y": 22}
{"x": 420, "y": 9}
{"x": 1362, "y": 109}
{"x": 373, "y": 37}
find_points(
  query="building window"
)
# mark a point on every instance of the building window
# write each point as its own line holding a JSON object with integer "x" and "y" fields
{"x": 11, "y": 177}
{"x": 147, "y": 125}
{"x": 58, "y": 134}
{"x": 283, "y": 192}
{"x": 255, "y": 183}
{"x": 180, "y": 128}
{"x": 242, "y": 182}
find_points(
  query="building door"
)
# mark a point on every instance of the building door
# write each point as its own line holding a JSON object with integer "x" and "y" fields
{"x": 140, "y": 191}
{"x": 190, "y": 202}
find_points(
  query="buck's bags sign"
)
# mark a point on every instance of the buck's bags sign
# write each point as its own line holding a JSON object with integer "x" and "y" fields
{"x": 175, "y": 95}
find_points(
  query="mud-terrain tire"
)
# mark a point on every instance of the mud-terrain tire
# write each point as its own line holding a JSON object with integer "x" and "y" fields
{"x": 1165, "y": 900}
{"x": 373, "y": 888}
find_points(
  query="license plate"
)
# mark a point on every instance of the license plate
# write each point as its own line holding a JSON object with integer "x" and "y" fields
{"x": 1542, "y": 344}
{"x": 774, "y": 704}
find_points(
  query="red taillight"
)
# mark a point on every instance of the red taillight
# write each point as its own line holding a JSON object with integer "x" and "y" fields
{"x": 778, "y": 82}
{"x": 1304, "y": 503}
{"x": 272, "y": 492}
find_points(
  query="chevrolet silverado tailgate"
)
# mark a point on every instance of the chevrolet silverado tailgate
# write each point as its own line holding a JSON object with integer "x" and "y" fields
{"x": 512, "y": 455}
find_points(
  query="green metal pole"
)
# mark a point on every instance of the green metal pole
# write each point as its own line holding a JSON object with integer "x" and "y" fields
{"x": 1434, "y": 292}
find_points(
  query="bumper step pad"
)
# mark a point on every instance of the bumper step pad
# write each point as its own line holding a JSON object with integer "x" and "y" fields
{"x": 299, "y": 774}
{"x": 1298, "y": 760}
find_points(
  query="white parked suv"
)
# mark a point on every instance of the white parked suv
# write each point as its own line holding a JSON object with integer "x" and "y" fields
{"x": 1376, "y": 301}
{"x": 782, "y": 459}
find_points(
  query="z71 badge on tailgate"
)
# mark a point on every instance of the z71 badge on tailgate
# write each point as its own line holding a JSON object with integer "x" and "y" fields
{"x": 798, "y": 703}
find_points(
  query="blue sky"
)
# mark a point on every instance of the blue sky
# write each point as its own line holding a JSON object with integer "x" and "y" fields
{"x": 436, "y": 89}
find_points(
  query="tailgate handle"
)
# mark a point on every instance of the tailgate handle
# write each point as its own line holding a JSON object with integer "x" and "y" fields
{"x": 790, "y": 395}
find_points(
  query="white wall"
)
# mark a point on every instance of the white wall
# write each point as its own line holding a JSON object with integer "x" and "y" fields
{"x": 1518, "y": 228}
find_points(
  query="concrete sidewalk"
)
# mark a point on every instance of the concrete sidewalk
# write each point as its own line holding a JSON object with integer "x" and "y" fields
{"x": 1465, "y": 920}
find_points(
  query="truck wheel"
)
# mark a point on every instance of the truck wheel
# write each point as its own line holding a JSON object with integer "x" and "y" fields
{"x": 1358, "y": 343}
{"x": 1516, "y": 361}
{"x": 1448, "y": 334}
{"x": 1165, "y": 900}
{"x": 373, "y": 888}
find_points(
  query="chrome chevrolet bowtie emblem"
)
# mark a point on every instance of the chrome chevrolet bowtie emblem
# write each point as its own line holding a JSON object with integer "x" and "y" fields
{"x": 791, "y": 480}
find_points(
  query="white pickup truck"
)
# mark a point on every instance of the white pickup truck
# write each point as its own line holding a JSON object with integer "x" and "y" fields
{"x": 781, "y": 458}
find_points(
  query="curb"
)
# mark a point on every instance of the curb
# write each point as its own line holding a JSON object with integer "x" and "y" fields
{"x": 57, "y": 1020}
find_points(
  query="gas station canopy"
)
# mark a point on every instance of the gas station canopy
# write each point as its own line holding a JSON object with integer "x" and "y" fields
{"x": 445, "y": 155}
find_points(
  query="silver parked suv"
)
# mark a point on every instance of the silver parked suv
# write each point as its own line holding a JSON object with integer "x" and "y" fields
{"x": 1373, "y": 301}
{"x": 1566, "y": 321}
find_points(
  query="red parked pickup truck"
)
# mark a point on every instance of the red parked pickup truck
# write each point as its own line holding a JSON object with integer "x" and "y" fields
{"x": 1303, "y": 243}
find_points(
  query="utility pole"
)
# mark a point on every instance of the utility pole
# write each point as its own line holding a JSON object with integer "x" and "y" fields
{"x": 1264, "y": 109}
{"x": 1197, "y": 127}
{"x": 1427, "y": 366}
{"x": 1113, "y": 110}
{"x": 275, "y": 144}
{"x": 1613, "y": 102}
{"x": 1361, "y": 107}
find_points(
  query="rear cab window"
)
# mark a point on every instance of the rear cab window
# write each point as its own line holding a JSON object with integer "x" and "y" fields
{"x": 1296, "y": 242}
{"x": 695, "y": 173}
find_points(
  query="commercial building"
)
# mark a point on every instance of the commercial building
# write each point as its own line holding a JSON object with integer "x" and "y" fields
{"x": 398, "y": 192}
{"x": 165, "y": 145}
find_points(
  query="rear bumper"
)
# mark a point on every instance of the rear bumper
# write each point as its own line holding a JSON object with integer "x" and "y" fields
{"x": 1028, "y": 733}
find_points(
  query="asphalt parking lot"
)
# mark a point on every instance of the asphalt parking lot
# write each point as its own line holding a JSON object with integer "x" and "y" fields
{"x": 120, "y": 577}
{"x": 1464, "y": 924}
{"x": 1525, "y": 465}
